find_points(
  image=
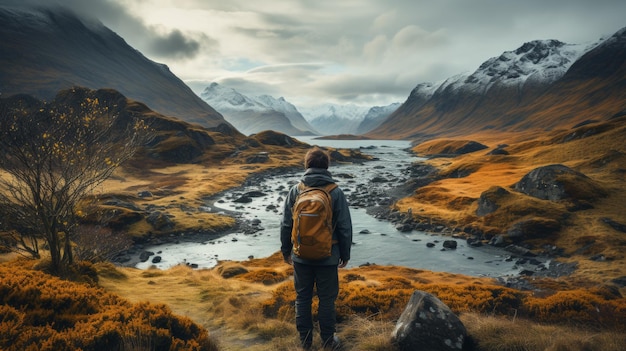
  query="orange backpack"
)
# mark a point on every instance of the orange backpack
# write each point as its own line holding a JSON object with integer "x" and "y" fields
{"x": 312, "y": 230}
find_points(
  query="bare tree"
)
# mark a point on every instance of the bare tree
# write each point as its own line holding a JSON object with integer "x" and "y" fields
{"x": 56, "y": 154}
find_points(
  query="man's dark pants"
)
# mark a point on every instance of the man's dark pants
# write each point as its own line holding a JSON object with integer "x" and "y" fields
{"x": 327, "y": 281}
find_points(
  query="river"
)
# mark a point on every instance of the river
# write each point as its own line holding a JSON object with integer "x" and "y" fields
{"x": 375, "y": 241}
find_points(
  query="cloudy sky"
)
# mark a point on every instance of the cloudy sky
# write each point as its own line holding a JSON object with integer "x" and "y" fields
{"x": 368, "y": 52}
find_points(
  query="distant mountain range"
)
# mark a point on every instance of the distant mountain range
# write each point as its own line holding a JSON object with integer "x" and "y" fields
{"x": 43, "y": 51}
{"x": 333, "y": 119}
{"x": 252, "y": 114}
{"x": 544, "y": 84}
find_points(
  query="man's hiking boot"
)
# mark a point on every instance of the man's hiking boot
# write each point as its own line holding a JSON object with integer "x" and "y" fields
{"x": 332, "y": 343}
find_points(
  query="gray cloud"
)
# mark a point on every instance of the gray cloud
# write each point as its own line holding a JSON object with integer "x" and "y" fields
{"x": 251, "y": 87}
{"x": 174, "y": 44}
{"x": 367, "y": 51}
{"x": 151, "y": 40}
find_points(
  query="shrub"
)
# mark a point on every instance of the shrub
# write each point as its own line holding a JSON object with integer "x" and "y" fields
{"x": 387, "y": 297}
{"x": 43, "y": 312}
{"x": 265, "y": 276}
{"x": 581, "y": 307}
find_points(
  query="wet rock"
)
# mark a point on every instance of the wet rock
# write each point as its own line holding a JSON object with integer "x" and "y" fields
{"x": 379, "y": 179}
{"x": 450, "y": 244}
{"x": 518, "y": 250}
{"x": 156, "y": 259}
{"x": 474, "y": 242}
{"x": 243, "y": 200}
{"x": 498, "y": 241}
{"x": 255, "y": 193}
{"x": 428, "y": 324}
{"x": 404, "y": 227}
{"x": 145, "y": 255}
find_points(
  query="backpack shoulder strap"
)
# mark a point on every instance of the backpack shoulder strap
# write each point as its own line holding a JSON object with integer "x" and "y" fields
{"x": 330, "y": 187}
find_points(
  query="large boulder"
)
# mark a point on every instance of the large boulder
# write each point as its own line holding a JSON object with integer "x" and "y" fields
{"x": 558, "y": 182}
{"x": 259, "y": 157}
{"x": 533, "y": 228}
{"x": 160, "y": 221}
{"x": 488, "y": 201}
{"x": 428, "y": 324}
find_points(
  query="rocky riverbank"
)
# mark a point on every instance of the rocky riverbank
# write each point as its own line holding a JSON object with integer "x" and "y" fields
{"x": 376, "y": 192}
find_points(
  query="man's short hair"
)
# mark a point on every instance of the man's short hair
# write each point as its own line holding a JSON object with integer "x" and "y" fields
{"x": 316, "y": 158}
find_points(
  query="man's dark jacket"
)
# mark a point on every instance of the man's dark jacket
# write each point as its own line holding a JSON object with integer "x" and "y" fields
{"x": 319, "y": 177}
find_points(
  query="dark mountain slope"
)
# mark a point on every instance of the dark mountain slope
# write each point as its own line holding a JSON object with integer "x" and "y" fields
{"x": 44, "y": 51}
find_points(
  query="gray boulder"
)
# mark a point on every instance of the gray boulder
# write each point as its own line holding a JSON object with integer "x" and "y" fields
{"x": 260, "y": 157}
{"x": 488, "y": 201}
{"x": 428, "y": 324}
{"x": 450, "y": 244}
{"x": 555, "y": 183}
{"x": 160, "y": 221}
{"x": 534, "y": 228}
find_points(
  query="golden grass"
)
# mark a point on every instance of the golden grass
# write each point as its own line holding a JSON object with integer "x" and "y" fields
{"x": 600, "y": 156}
{"x": 247, "y": 312}
{"x": 252, "y": 310}
{"x": 43, "y": 312}
{"x": 493, "y": 333}
{"x": 226, "y": 306}
{"x": 182, "y": 187}
{"x": 250, "y": 314}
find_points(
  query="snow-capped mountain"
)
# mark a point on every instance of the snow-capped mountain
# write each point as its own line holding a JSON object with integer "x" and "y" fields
{"x": 333, "y": 119}
{"x": 290, "y": 111}
{"x": 253, "y": 114}
{"x": 512, "y": 91}
{"x": 538, "y": 62}
{"x": 375, "y": 116}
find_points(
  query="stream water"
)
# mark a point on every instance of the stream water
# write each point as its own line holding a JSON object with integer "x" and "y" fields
{"x": 375, "y": 241}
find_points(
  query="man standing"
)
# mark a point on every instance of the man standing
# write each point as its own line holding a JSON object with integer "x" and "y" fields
{"x": 321, "y": 273}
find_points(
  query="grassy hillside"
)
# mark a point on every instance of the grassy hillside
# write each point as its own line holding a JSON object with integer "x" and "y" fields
{"x": 45, "y": 51}
{"x": 593, "y": 88}
{"x": 597, "y": 150}
{"x": 249, "y": 305}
